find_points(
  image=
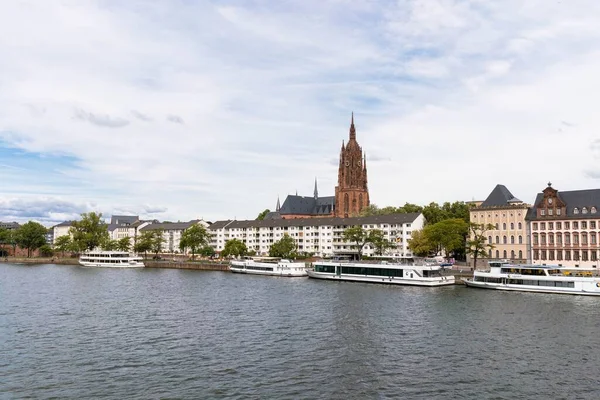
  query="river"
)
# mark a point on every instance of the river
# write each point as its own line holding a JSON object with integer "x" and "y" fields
{"x": 71, "y": 333}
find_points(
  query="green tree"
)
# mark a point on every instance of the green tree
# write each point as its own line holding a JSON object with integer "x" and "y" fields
{"x": 110, "y": 245}
{"x": 11, "y": 239}
{"x": 63, "y": 244}
{"x": 234, "y": 247}
{"x": 157, "y": 241}
{"x": 419, "y": 243}
{"x": 408, "y": 208}
{"x": 207, "y": 251}
{"x": 90, "y": 232}
{"x": 3, "y": 241}
{"x": 379, "y": 242}
{"x": 448, "y": 235}
{"x": 46, "y": 251}
{"x": 31, "y": 236}
{"x": 477, "y": 245}
{"x": 124, "y": 244}
{"x": 263, "y": 214}
{"x": 370, "y": 210}
{"x": 194, "y": 238}
{"x": 144, "y": 243}
{"x": 283, "y": 248}
{"x": 358, "y": 236}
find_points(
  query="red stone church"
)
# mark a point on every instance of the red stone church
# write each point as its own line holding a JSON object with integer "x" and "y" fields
{"x": 351, "y": 192}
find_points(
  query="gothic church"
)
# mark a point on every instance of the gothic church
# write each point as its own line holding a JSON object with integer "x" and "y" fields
{"x": 351, "y": 192}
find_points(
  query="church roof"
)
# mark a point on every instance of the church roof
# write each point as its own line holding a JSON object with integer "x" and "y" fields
{"x": 301, "y": 205}
{"x": 500, "y": 197}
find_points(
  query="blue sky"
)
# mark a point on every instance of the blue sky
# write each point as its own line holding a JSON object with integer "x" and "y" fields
{"x": 196, "y": 109}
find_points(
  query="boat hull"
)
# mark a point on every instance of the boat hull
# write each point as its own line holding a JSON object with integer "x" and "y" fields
{"x": 429, "y": 282}
{"x": 291, "y": 274}
{"x": 101, "y": 265}
{"x": 532, "y": 289}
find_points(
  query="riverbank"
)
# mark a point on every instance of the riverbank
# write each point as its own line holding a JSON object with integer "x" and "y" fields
{"x": 195, "y": 265}
{"x": 40, "y": 260}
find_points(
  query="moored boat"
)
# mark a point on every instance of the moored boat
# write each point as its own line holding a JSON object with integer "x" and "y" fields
{"x": 410, "y": 272}
{"x": 537, "y": 278}
{"x": 110, "y": 259}
{"x": 268, "y": 266}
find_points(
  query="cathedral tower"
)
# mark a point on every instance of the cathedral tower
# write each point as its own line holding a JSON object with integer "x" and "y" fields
{"x": 351, "y": 192}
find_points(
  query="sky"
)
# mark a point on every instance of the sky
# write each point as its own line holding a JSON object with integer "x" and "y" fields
{"x": 185, "y": 109}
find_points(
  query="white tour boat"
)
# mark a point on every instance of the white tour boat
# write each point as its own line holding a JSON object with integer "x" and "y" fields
{"x": 410, "y": 272}
{"x": 111, "y": 259}
{"x": 268, "y": 266}
{"x": 537, "y": 278}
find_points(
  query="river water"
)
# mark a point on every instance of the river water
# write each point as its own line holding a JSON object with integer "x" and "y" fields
{"x": 70, "y": 332}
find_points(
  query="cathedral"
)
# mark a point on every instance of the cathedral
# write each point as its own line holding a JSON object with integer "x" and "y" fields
{"x": 351, "y": 192}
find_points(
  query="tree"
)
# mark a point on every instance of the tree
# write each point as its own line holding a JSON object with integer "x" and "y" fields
{"x": 263, "y": 214}
{"x": 207, "y": 251}
{"x": 90, "y": 232}
{"x": 283, "y": 248}
{"x": 144, "y": 243}
{"x": 408, "y": 208}
{"x": 46, "y": 251}
{"x": 419, "y": 243}
{"x": 3, "y": 240}
{"x": 448, "y": 235}
{"x": 31, "y": 236}
{"x": 379, "y": 242}
{"x": 157, "y": 241}
{"x": 10, "y": 238}
{"x": 369, "y": 210}
{"x": 234, "y": 247}
{"x": 476, "y": 244}
{"x": 63, "y": 244}
{"x": 358, "y": 236}
{"x": 110, "y": 245}
{"x": 194, "y": 238}
{"x": 124, "y": 244}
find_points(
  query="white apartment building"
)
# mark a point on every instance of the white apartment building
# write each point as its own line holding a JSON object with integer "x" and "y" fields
{"x": 126, "y": 226}
{"x": 61, "y": 229}
{"x": 171, "y": 232}
{"x": 320, "y": 236}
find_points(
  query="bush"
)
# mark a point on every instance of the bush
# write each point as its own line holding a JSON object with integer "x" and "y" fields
{"x": 46, "y": 251}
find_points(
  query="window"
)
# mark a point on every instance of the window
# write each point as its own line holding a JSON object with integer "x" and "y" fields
{"x": 490, "y": 239}
{"x": 584, "y": 210}
{"x": 535, "y": 238}
{"x": 520, "y": 254}
{"x": 583, "y": 224}
{"x": 543, "y": 238}
{"x": 490, "y": 254}
{"x": 567, "y": 239}
{"x": 576, "y": 210}
{"x": 575, "y": 225}
{"x": 575, "y": 238}
{"x": 559, "y": 238}
{"x": 575, "y": 255}
{"x": 594, "y": 255}
{"x": 535, "y": 226}
{"x": 497, "y": 239}
{"x": 543, "y": 255}
{"x": 567, "y": 255}
{"x": 497, "y": 253}
{"x": 504, "y": 239}
{"x": 520, "y": 240}
{"x": 558, "y": 211}
{"x": 550, "y": 225}
{"x": 584, "y": 238}
{"x": 584, "y": 255}
{"x": 512, "y": 225}
{"x": 593, "y": 210}
{"x": 543, "y": 211}
{"x": 593, "y": 238}
{"x": 497, "y": 226}
{"x": 558, "y": 255}
{"x": 550, "y": 238}
{"x": 592, "y": 224}
{"x": 504, "y": 254}
{"x": 551, "y": 255}
{"x": 520, "y": 225}
{"x": 504, "y": 226}
{"x": 567, "y": 225}
{"x": 543, "y": 226}
{"x": 512, "y": 254}
{"x": 559, "y": 225}
{"x": 512, "y": 240}
{"x": 536, "y": 254}
{"x": 549, "y": 211}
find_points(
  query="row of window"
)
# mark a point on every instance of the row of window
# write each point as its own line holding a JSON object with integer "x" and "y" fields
{"x": 285, "y": 228}
{"x": 552, "y": 255}
{"x": 496, "y": 215}
{"x": 557, "y": 238}
{"x": 505, "y": 240}
{"x": 512, "y": 226}
{"x": 567, "y": 225}
{"x": 513, "y": 254}
{"x": 530, "y": 282}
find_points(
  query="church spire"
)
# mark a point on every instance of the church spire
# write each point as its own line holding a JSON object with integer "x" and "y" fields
{"x": 278, "y": 206}
{"x": 316, "y": 193}
{"x": 352, "y": 129}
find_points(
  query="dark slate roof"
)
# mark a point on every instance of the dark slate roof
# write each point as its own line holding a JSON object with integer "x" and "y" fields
{"x": 124, "y": 219}
{"x": 301, "y": 205}
{"x": 9, "y": 225}
{"x": 573, "y": 199}
{"x": 499, "y": 197}
{"x": 170, "y": 226}
{"x": 66, "y": 223}
{"x": 273, "y": 215}
{"x": 371, "y": 220}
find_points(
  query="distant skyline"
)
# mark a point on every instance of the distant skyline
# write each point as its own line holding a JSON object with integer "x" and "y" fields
{"x": 188, "y": 109}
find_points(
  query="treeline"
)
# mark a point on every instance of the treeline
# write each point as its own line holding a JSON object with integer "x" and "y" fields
{"x": 433, "y": 212}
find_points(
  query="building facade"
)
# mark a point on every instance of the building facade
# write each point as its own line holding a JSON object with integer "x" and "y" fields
{"x": 322, "y": 237}
{"x": 171, "y": 233}
{"x": 506, "y": 214}
{"x": 565, "y": 227}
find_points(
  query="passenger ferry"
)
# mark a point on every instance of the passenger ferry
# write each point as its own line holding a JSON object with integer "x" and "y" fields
{"x": 268, "y": 266}
{"x": 537, "y": 278}
{"x": 110, "y": 259}
{"x": 427, "y": 272}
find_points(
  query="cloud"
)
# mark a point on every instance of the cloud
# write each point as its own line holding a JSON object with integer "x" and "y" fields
{"x": 175, "y": 119}
{"x": 101, "y": 120}
{"x": 442, "y": 87}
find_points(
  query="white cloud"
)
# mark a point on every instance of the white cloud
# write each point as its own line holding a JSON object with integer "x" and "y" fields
{"x": 214, "y": 109}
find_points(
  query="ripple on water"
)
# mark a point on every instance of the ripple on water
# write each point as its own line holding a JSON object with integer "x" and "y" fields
{"x": 99, "y": 333}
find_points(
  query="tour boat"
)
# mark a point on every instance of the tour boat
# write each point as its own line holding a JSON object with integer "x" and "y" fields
{"x": 111, "y": 259}
{"x": 537, "y": 278}
{"x": 268, "y": 266}
{"x": 409, "y": 272}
